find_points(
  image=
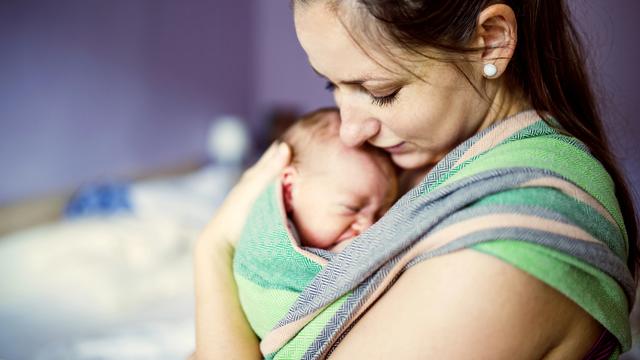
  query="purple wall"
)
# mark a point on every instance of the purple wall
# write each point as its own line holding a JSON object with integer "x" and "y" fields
{"x": 283, "y": 75}
{"x": 94, "y": 90}
{"x": 611, "y": 29}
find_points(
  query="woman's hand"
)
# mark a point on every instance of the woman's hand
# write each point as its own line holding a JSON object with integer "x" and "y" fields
{"x": 229, "y": 220}
{"x": 222, "y": 331}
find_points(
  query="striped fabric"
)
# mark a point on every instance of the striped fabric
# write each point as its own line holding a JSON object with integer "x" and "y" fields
{"x": 519, "y": 191}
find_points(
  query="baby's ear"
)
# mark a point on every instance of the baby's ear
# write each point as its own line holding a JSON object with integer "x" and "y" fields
{"x": 288, "y": 179}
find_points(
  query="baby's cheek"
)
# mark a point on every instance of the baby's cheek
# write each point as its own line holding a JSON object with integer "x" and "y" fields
{"x": 332, "y": 228}
{"x": 321, "y": 232}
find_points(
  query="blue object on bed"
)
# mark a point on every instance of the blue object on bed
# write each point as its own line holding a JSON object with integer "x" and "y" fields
{"x": 100, "y": 199}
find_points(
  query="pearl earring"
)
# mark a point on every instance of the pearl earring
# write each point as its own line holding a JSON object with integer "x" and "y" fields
{"x": 490, "y": 70}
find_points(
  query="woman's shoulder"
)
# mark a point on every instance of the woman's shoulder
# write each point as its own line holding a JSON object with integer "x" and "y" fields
{"x": 470, "y": 305}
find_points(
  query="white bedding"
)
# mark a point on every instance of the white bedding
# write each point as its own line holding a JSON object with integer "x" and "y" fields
{"x": 116, "y": 287}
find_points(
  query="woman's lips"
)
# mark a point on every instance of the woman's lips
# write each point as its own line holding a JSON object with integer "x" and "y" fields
{"x": 395, "y": 149}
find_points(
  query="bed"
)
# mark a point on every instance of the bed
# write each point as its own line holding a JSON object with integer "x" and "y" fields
{"x": 110, "y": 286}
{"x": 112, "y": 279}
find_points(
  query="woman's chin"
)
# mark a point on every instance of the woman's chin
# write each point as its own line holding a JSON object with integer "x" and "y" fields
{"x": 413, "y": 160}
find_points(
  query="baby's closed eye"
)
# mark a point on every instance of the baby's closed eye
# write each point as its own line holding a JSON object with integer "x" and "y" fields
{"x": 350, "y": 209}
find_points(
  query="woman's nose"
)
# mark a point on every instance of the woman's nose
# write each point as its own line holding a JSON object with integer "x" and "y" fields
{"x": 355, "y": 128}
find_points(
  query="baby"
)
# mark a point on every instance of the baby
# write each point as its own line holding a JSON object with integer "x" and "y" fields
{"x": 329, "y": 194}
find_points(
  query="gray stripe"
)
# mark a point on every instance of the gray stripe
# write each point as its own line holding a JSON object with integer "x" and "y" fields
{"x": 596, "y": 254}
{"x": 613, "y": 239}
{"x": 325, "y": 254}
{"x": 333, "y": 330}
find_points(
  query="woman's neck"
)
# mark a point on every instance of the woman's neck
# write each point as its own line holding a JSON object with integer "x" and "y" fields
{"x": 506, "y": 102}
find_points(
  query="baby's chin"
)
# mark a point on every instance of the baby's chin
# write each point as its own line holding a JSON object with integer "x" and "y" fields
{"x": 333, "y": 245}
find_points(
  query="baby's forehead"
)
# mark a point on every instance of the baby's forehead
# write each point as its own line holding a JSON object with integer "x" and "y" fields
{"x": 330, "y": 153}
{"x": 351, "y": 165}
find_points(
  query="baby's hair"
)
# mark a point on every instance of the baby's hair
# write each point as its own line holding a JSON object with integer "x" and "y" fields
{"x": 310, "y": 130}
{"x": 319, "y": 131}
{"x": 316, "y": 129}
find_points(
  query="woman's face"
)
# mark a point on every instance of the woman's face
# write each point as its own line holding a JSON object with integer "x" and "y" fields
{"x": 418, "y": 118}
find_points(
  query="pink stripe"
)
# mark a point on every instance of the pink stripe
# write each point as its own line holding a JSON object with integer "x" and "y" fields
{"x": 505, "y": 129}
{"x": 278, "y": 337}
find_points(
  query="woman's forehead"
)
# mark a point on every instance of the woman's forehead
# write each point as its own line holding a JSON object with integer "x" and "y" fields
{"x": 334, "y": 50}
{"x": 339, "y": 50}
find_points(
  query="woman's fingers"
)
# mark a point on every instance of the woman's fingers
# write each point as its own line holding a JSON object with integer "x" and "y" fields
{"x": 284, "y": 155}
{"x": 271, "y": 163}
{"x": 228, "y": 222}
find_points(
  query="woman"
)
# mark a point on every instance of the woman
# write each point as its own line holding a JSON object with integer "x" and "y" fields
{"x": 431, "y": 82}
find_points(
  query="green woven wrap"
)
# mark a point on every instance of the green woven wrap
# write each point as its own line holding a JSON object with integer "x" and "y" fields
{"x": 268, "y": 265}
{"x": 567, "y": 230}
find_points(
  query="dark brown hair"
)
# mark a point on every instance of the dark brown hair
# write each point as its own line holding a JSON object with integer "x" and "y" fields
{"x": 548, "y": 66}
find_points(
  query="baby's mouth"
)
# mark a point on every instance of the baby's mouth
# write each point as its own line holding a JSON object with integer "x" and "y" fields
{"x": 349, "y": 234}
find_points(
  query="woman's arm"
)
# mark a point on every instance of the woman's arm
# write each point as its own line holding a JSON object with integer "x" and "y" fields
{"x": 469, "y": 305}
{"x": 222, "y": 332}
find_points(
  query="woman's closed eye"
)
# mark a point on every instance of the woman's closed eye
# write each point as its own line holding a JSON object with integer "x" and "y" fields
{"x": 385, "y": 100}
{"x": 376, "y": 100}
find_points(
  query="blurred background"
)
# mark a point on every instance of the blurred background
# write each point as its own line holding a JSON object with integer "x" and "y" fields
{"x": 122, "y": 126}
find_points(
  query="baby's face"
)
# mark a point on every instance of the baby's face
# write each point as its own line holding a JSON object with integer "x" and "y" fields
{"x": 344, "y": 194}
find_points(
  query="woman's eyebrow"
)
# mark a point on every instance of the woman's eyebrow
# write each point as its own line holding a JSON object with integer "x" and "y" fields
{"x": 349, "y": 82}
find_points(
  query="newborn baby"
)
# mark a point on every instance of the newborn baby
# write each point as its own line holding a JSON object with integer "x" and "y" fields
{"x": 328, "y": 195}
{"x": 332, "y": 192}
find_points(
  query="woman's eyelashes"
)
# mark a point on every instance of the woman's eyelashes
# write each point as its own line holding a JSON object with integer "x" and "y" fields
{"x": 330, "y": 86}
{"x": 376, "y": 100}
{"x": 385, "y": 100}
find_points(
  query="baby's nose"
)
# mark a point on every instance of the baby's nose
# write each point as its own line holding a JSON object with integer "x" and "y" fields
{"x": 362, "y": 223}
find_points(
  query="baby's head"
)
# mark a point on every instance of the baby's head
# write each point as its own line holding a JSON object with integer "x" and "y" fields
{"x": 333, "y": 192}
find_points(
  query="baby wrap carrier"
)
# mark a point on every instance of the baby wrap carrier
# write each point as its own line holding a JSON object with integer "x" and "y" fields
{"x": 518, "y": 190}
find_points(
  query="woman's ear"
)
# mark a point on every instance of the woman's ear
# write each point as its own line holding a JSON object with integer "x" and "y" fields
{"x": 497, "y": 33}
{"x": 288, "y": 178}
